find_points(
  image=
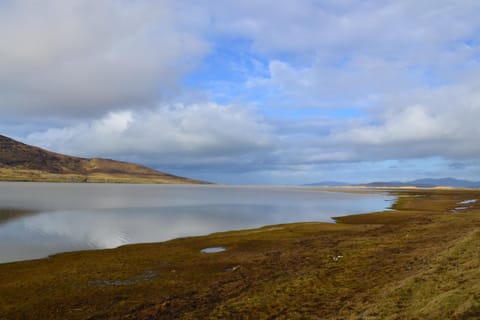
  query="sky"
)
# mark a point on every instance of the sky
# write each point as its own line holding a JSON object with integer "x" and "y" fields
{"x": 251, "y": 91}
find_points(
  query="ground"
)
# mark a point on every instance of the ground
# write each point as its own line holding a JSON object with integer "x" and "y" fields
{"x": 419, "y": 261}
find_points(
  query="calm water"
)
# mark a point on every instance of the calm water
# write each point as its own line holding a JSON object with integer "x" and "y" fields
{"x": 40, "y": 219}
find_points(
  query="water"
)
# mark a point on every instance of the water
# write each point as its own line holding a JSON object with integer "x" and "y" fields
{"x": 40, "y": 219}
{"x": 471, "y": 201}
{"x": 213, "y": 250}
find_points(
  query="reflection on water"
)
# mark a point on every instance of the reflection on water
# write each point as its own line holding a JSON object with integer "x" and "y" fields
{"x": 82, "y": 216}
{"x": 213, "y": 250}
{"x": 7, "y": 214}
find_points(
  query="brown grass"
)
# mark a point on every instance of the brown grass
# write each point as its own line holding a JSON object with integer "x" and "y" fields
{"x": 27, "y": 175}
{"x": 22, "y": 162}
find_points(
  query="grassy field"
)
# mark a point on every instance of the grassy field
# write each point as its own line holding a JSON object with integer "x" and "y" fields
{"x": 421, "y": 261}
{"x": 28, "y": 175}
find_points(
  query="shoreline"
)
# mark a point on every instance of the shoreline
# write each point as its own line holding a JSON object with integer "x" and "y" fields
{"x": 414, "y": 262}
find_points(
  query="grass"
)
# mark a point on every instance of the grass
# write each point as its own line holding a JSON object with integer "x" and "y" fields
{"x": 421, "y": 261}
{"x": 29, "y": 175}
{"x": 22, "y": 162}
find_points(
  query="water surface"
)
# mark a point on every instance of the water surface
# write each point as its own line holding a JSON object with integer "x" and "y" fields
{"x": 40, "y": 219}
{"x": 213, "y": 250}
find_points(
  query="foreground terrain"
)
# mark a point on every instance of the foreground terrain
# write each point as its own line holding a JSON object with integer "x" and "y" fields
{"x": 22, "y": 162}
{"x": 421, "y": 261}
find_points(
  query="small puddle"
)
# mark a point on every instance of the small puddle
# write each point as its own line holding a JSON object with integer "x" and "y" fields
{"x": 213, "y": 250}
{"x": 468, "y": 201}
{"x": 464, "y": 205}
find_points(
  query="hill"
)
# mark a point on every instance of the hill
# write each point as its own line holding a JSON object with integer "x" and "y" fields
{"x": 22, "y": 162}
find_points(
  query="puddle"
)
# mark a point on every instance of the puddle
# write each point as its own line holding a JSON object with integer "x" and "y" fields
{"x": 464, "y": 205}
{"x": 213, "y": 250}
{"x": 468, "y": 201}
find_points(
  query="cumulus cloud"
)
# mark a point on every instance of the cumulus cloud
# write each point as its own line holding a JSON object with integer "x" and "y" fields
{"x": 87, "y": 57}
{"x": 441, "y": 124}
{"x": 199, "y": 133}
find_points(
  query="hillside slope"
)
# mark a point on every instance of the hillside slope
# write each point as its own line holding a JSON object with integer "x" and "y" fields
{"x": 22, "y": 162}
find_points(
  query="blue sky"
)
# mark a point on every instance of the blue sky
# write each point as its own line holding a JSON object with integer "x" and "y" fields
{"x": 249, "y": 92}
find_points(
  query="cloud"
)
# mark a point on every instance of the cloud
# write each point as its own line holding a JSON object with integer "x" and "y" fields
{"x": 351, "y": 26}
{"x": 426, "y": 124}
{"x": 168, "y": 135}
{"x": 325, "y": 54}
{"x": 440, "y": 124}
{"x": 334, "y": 84}
{"x": 86, "y": 57}
{"x": 359, "y": 81}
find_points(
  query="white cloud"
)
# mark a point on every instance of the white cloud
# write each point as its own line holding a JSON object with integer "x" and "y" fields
{"x": 374, "y": 27}
{"x": 197, "y": 132}
{"x": 361, "y": 81}
{"x": 328, "y": 54}
{"x": 443, "y": 124}
{"x": 410, "y": 124}
{"x": 84, "y": 56}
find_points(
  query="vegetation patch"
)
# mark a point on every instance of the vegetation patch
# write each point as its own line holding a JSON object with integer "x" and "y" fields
{"x": 22, "y": 162}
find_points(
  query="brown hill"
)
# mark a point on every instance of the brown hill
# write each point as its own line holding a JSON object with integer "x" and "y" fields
{"x": 22, "y": 162}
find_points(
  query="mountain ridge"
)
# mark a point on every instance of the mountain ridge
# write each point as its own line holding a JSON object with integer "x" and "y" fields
{"x": 23, "y": 162}
{"x": 421, "y": 183}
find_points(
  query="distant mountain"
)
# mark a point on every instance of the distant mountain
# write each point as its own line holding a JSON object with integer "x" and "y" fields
{"x": 390, "y": 184}
{"x": 449, "y": 182}
{"x": 420, "y": 183}
{"x": 22, "y": 162}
